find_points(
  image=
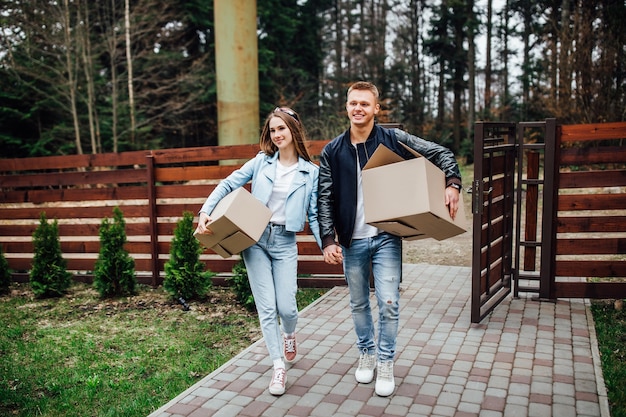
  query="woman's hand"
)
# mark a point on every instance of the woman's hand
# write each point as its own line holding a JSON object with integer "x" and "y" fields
{"x": 203, "y": 224}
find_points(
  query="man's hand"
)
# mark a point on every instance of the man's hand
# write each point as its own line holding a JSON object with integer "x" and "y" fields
{"x": 452, "y": 200}
{"x": 333, "y": 254}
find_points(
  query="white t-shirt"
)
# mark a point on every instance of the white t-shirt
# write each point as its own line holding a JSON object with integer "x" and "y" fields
{"x": 282, "y": 182}
{"x": 361, "y": 229}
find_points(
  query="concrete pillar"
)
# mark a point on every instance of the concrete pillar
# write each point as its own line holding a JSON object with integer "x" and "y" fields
{"x": 237, "y": 71}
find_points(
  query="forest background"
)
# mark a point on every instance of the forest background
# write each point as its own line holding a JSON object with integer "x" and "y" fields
{"x": 78, "y": 76}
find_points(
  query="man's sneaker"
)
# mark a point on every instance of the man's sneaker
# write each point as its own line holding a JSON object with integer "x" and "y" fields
{"x": 290, "y": 348}
{"x": 279, "y": 379}
{"x": 385, "y": 383}
{"x": 365, "y": 372}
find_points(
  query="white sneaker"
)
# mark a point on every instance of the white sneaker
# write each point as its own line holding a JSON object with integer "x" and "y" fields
{"x": 279, "y": 379}
{"x": 385, "y": 382}
{"x": 365, "y": 372}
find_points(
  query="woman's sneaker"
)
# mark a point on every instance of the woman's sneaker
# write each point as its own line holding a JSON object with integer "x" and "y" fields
{"x": 385, "y": 382}
{"x": 365, "y": 372}
{"x": 279, "y": 379}
{"x": 290, "y": 349}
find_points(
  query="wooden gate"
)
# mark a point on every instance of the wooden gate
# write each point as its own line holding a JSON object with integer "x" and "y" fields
{"x": 493, "y": 209}
{"x": 567, "y": 204}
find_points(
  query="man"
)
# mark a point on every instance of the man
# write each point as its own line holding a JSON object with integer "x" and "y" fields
{"x": 362, "y": 248}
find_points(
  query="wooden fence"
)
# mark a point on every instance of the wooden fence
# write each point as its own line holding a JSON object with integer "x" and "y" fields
{"x": 588, "y": 224}
{"x": 152, "y": 189}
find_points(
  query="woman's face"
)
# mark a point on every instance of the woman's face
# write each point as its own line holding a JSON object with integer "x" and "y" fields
{"x": 280, "y": 133}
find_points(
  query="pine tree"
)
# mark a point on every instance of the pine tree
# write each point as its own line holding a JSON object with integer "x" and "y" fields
{"x": 49, "y": 276}
{"x": 5, "y": 273}
{"x": 114, "y": 272}
{"x": 185, "y": 275}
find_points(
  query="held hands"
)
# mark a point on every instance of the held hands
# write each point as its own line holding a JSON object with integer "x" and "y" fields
{"x": 333, "y": 254}
{"x": 203, "y": 224}
{"x": 452, "y": 200}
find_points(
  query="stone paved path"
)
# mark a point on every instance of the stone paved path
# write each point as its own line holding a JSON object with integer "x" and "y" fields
{"x": 528, "y": 358}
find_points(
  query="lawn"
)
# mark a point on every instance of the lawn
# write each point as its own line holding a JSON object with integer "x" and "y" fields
{"x": 79, "y": 355}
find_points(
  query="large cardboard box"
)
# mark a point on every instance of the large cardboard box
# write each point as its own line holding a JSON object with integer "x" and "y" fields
{"x": 239, "y": 220}
{"x": 407, "y": 197}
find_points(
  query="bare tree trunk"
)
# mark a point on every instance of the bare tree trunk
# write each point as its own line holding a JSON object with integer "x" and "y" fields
{"x": 87, "y": 69}
{"x": 471, "y": 68}
{"x": 488, "y": 58}
{"x": 505, "y": 63}
{"x": 71, "y": 81}
{"x": 565, "y": 78}
{"x": 129, "y": 63}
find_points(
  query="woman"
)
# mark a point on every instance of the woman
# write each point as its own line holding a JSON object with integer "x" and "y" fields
{"x": 283, "y": 178}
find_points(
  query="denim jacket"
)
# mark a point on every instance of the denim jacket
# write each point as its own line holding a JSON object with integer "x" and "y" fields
{"x": 301, "y": 200}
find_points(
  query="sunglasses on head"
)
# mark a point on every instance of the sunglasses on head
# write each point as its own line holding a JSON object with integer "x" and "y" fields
{"x": 287, "y": 111}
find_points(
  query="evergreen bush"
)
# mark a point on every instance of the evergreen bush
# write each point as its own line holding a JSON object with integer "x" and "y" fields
{"x": 241, "y": 286}
{"x": 114, "y": 273}
{"x": 48, "y": 276}
{"x": 5, "y": 273}
{"x": 185, "y": 275}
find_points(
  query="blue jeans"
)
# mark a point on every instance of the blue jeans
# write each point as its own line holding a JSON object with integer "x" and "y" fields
{"x": 382, "y": 256}
{"x": 272, "y": 266}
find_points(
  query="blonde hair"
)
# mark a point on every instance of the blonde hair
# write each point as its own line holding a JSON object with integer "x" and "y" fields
{"x": 292, "y": 120}
{"x": 364, "y": 85}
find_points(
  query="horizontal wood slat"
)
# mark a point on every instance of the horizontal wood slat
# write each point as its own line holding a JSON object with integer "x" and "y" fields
{"x": 582, "y": 224}
{"x": 593, "y": 132}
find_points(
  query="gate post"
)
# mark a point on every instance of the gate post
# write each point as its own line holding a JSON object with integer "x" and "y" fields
{"x": 152, "y": 213}
{"x": 550, "y": 206}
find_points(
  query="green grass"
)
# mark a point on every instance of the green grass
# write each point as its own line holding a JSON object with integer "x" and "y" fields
{"x": 79, "y": 355}
{"x": 610, "y": 327}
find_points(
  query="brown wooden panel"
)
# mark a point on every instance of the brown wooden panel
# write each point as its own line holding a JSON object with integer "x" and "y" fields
{"x": 494, "y": 210}
{"x": 495, "y": 252}
{"x": 494, "y": 165}
{"x": 594, "y": 131}
{"x": 581, "y": 224}
{"x": 590, "y": 290}
{"x": 496, "y": 231}
{"x": 184, "y": 191}
{"x": 194, "y": 173}
{"x": 592, "y": 155}
{"x": 204, "y": 153}
{"x": 571, "y": 202}
{"x": 590, "y": 179}
{"x": 74, "y": 161}
{"x": 604, "y": 246}
{"x": 590, "y": 269}
{"x": 177, "y": 210}
{"x": 74, "y": 194}
{"x": 71, "y": 212}
{"x": 64, "y": 179}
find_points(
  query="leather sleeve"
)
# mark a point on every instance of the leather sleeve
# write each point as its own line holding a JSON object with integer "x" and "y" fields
{"x": 325, "y": 202}
{"x": 439, "y": 155}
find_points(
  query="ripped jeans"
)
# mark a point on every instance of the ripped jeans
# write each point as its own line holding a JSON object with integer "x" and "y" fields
{"x": 382, "y": 256}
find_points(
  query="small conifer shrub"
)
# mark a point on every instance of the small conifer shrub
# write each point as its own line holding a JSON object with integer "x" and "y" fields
{"x": 241, "y": 286}
{"x": 5, "y": 273}
{"x": 185, "y": 275}
{"x": 114, "y": 273}
{"x": 49, "y": 276}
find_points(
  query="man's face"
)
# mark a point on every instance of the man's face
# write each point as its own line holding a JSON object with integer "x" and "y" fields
{"x": 361, "y": 107}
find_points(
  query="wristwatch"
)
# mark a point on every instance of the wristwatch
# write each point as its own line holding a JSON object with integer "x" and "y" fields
{"x": 455, "y": 185}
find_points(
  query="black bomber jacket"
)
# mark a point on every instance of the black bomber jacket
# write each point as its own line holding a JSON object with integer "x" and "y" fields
{"x": 337, "y": 191}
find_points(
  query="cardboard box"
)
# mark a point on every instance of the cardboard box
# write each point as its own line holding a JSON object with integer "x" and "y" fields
{"x": 239, "y": 220}
{"x": 407, "y": 197}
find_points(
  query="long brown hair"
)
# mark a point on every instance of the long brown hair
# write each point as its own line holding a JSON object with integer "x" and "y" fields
{"x": 292, "y": 120}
